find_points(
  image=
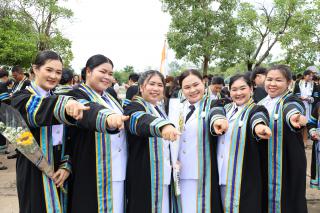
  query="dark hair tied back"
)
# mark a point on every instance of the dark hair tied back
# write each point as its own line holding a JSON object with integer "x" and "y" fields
{"x": 245, "y": 78}
{"x": 283, "y": 69}
{"x": 147, "y": 75}
{"x": 44, "y": 56}
{"x": 97, "y": 60}
{"x": 188, "y": 72}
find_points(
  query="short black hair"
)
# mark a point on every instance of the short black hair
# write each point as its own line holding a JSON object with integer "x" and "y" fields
{"x": 258, "y": 70}
{"x": 217, "y": 80}
{"x": 134, "y": 77}
{"x": 307, "y": 72}
{"x": 4, "y": 73}
{"x": 17, "y": 69}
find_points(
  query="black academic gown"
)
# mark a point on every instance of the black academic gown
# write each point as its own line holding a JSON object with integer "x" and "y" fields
{"x": 250, "y": 178}
{"x": 291, "y": 197}
{"x": 142, "y": 128}
{"x": 259, "y": 93}
{"x": 18, "y": 86}
{"x": 83, "y": 196}
{"x": 315, "y": 166}
{"x": 40, "y": 113}
{"x": 314, "y": 95}
{"x": 4, "y": 98}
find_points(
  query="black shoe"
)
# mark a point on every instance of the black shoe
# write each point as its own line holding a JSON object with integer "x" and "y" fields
{"x": 13, "y": 156}
{"x": 7, "y": 152}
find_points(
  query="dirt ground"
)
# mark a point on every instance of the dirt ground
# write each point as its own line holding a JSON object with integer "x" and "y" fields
{"x": 9, "y": 200}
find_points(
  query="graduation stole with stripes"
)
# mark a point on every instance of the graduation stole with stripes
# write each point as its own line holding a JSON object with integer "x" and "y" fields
{"x": 4, "y": 96}
{"x": 156, "y": 162}
{"x": 103, "y": 154}
{"x": 235, "y": 163}
{"x": 275, "y": 151}
{"x": 19, "y": 86}
{"x": 204, "y": 162}
{"x": 53, "y": 203}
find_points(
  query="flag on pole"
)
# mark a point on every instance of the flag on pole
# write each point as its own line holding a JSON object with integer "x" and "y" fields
{"x": 163, "y": 65}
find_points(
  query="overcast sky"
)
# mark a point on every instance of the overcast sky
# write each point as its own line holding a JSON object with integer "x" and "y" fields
{"x": 128, "y": 32}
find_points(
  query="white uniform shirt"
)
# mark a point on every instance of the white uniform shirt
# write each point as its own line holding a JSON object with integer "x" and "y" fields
{"x": 57, "y": 130}
{"x": 270, "y": 103}
{"x": 166, "y": 155}
{"x": 306, "y": 90}
{"x": 118, "y": 149}
{"x": 224, "y": 142}
{"x": 213, "y": 96}
{"x": 188, "y": 151}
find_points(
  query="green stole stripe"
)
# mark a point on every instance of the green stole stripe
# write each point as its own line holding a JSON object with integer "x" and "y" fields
{"x": 103, "y": 157}
{"x": 63, "y": 195}
{"x": 204, "y": 162}
{"x": 235, "y": 162}
{"x": 156, "y": 164}
{"x": 104, "y": 172}
{"x": 95, "y": 97}
{"x": 50, "y": 190}
{"x": 275, "y": 151}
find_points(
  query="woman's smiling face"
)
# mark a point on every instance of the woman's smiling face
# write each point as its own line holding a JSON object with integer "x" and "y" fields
{"x": 240, "y": 92}
{"x": 193, "y": 88}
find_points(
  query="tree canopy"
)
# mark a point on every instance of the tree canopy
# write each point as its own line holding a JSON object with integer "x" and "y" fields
{"x": 29, "y": 26}
{"x": 242, "y": 32}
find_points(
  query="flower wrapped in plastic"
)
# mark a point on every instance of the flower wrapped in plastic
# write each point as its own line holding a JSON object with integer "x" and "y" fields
{"x": 15, "y": 130}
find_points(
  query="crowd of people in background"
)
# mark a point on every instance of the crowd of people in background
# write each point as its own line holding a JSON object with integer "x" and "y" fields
{"x": 189, "y": 143}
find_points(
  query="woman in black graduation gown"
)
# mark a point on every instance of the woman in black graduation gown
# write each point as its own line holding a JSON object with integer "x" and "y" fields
{"x": 99, "y": 158}
{"x": 5, "y": 98}
{"x": 43, "y": 112}
{"x": 313, "y": 127}
{"x": 149, "y": 169}
{"x": 239, "y": 154}
{"x": 286, "y": 160}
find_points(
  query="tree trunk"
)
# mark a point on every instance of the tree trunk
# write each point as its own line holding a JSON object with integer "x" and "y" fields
{"x": 249, "y": 65}
{"x": 205, "y": 65}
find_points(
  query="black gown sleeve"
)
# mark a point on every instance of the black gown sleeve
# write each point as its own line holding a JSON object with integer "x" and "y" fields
{"x": 95, "y": 118}
{"x": 4, "y": 93}
{"x": 41, "y": 111}
{"x": 296, "y": 89}
{"x": 292, "y": 105}
{"x": 313, "y": 121}
{"x": 259, "y": 115}
{"x": 217, "y": 112}
{"x": 142, "y": 123}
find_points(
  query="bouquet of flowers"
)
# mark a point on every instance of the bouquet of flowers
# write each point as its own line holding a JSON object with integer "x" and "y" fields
{"x": 15, "y": 130}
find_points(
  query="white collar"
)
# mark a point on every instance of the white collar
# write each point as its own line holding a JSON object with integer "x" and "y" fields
{"x": 43, "y": 93}
{"x": 268, "y": 98}
{"x": 196, "y": 105}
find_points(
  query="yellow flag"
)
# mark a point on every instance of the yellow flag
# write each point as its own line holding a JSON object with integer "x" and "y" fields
{"x": 163, "y": 68}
